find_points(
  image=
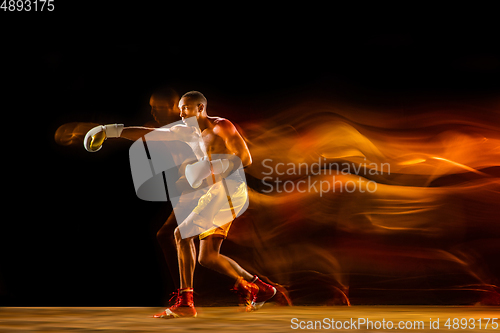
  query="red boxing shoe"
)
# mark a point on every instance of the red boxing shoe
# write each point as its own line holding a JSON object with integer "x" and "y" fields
{"x": 266, "y": 292}
{"x": 247, "y": 291}
{"x": 183, "y": 307}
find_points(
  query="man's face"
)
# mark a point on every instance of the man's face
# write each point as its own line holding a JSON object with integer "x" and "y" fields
{"x": 189, "y": 108}
{"x": 163, "y": 110}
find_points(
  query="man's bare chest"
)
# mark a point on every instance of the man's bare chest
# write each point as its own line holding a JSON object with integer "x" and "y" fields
{"x": 213, "y": 143}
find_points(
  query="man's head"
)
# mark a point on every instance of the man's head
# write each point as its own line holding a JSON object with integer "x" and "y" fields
{"x": 193, "y": 104}
{"x": 164, "y": 105}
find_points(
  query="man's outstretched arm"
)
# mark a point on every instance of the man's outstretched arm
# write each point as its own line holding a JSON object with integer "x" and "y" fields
{"x": 95, "y": 137}
{"x": 135, "y": 132}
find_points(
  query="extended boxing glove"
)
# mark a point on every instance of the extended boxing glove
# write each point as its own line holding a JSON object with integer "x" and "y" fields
{"x": 95, "y": 137}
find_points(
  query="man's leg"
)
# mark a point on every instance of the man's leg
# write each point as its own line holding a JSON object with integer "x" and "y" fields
{"x": 168, "y": 247}
{"x": 210, "y": 257}
{"x": 254, "y": 293}
{"x": 186, "y": 255}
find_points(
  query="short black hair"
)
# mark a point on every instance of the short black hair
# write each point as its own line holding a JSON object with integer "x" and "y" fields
{"x": 197, "y": 96}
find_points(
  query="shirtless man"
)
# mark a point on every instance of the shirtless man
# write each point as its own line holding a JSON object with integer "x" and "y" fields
{"x": 218, "y": 136}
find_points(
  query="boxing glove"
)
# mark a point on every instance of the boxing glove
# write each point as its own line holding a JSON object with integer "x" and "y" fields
{"x": 196, "y": 172}
{"x": 95, "y": 137}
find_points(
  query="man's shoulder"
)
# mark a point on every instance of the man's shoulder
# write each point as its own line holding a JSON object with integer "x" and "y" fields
{"x": 222, "y": 123}
{"x": 180, "y": 128}
{"x": 184, "y": 132}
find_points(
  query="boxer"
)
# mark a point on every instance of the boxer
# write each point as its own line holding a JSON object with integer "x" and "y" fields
{"x": 209, "y": 136}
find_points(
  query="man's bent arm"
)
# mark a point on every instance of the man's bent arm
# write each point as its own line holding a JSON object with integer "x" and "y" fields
{"x": 234, "y": 142}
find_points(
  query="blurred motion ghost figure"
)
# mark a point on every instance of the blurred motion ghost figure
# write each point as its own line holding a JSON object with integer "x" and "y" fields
{"x": 164, "y": 108}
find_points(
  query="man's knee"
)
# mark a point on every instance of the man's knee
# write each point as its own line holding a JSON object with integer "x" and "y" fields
{"x": 209, "y": 251}
{"x": 206, "y": 260}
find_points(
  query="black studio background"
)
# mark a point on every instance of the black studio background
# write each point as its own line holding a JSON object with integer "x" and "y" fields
{"x": 74, "y": 232}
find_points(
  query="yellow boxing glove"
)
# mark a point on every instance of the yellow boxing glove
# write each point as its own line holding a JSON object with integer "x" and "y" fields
{"x": 95, "y": 137}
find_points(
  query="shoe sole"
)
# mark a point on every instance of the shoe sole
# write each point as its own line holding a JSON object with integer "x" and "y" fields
{"x": 258, "y": 305}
